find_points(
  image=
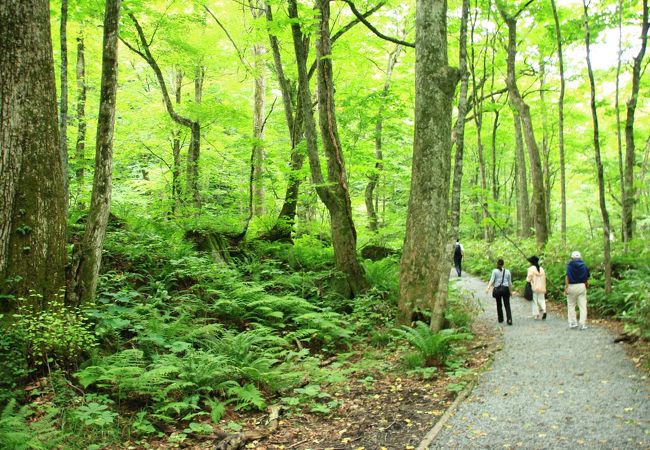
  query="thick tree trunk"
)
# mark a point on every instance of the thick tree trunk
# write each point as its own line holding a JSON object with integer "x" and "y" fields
{"x": 558, "y": 35}
{"x": 538, "y": 196}
{"x": 32, "y": 198}
{"x": 80, "y": 147}
{"x": 630, "y": 193}
{"x": 523, "y": 208}
{"x": 599, "y": 164}
{"x": 459, "y": 131}
{"x": 373, "y": 178}
{"x": 63, "y": 111}
{"x": 425, "y": 255}
{"x": 100, "y": 205}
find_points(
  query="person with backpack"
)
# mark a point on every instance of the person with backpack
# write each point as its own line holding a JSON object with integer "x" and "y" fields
{"x": 459, "y": 252}
{"x": 537, "y": 278}
{"x": 502, "y": 282}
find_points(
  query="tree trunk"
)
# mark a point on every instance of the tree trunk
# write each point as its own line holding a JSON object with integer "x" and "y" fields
{"x": 80, "y": 147}
{"x": 281, "y": 230}
{"x": 93, "y": 241}
{"x": 478, "y": 120}
{"x": 459, "y": 132}
{"x": 539, "y": 201}
{"x": 259, "y": 108}
{"x": 630, "y": 193}
{"x": 546, "y": 168}
{"x": 558, "y": 35}
{"x": 176, "y": 147}
{"x": 336, "y": 198}
{"x": 32, "y": 198}
{"x": 523, "y": 209}
{"x": 493, "y": 142}
{"x": 344, "y": 236}
{"x": 425, "y": 255}
{"x": 373, "y": 178}
{"x": 599, "y": 164}
{"x": 63, "y": 112}
{"x": 619, "y": 143}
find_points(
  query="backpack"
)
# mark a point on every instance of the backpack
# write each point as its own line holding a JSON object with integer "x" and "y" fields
{"x": 457, "y": 252}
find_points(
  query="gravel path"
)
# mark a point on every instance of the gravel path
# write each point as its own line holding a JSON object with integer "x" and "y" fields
{"x": 551, "y": 387}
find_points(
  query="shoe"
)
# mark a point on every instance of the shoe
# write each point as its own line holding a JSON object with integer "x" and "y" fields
{"x": 544, "y": 316}
{"x": 583, "y": 327}
{"x": 510, "y": 322}
{"x": 573, "y": 325}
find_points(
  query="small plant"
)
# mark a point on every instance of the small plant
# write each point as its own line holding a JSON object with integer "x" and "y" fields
{"x": 94, "y": 414}
{"x": 433, "y": 348}
{"x": 56, "y": 333}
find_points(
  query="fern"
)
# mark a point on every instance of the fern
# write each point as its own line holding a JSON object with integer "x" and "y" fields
{"x": 433, "y": 348}
{"x": 246, "y": 397}
{"x": 17, "y": 434}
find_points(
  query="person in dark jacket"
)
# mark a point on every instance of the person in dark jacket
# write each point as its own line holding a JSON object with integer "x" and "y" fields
{"x": 576, "y": 283}
{"x": 459, "y": 252}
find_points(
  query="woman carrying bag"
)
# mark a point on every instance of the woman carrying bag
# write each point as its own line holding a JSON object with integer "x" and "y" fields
{"x": 502, "y": 282}
{"x": 537, "y": 279}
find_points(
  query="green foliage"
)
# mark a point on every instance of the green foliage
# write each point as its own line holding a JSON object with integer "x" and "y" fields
{"x": 58, "y": 334}
{"x": 433, "y": 349}
{"x": 19, "y": 432}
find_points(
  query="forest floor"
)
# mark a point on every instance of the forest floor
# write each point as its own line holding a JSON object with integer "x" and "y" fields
{"x": 389, "y": 411}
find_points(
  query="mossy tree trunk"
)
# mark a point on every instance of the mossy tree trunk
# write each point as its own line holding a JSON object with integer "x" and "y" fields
{"x": 32, "y": 196}
{"x": 424, "y": 256}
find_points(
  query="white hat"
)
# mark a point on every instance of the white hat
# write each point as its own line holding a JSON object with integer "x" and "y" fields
{"x": 576, "y": 255}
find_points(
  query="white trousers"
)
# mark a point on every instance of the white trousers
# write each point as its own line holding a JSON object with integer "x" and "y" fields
{"x": 577, "y": 293}
{"x": 539, "y": 303}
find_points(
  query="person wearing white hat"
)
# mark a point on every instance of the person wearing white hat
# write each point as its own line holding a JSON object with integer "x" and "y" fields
{"x": 576, "y": 283}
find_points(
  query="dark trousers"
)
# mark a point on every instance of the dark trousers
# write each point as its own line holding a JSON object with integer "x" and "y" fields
{"x": 505, "y": 300}
{"x": 457, "y": 264}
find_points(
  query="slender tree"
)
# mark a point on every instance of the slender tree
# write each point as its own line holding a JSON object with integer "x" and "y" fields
{"x": 335, "y": 196}
{"x": 63, "y": 111}
{"x": 630, "y": 193}
{"x": 193, "y": 152}
{"x": 80, "y": 147}
{"x": 424, "y": 264}
{"x": 523, "y": 209}
{"x": 85, "y": 280}
{"x": 32, "y": 197}
{"x": 619, "y": 143}
{"x": 259, "y": 107}
{"x": 560, "y": 56}
{"x": 459, "y": 130}
{"x": 373, "y": 178}
{"x": 599, "y": 164}
{"x": 538, "y": 196}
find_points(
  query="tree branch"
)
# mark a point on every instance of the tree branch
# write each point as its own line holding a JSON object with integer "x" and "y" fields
{"x": 242, "y": 58}
{"x": 373, "y": 29}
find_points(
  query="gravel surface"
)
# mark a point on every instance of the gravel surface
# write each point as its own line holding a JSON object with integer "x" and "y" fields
{"x": 551, "y": 387}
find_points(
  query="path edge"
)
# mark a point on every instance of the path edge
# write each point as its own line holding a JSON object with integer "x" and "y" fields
{"x": 431, "y": 435}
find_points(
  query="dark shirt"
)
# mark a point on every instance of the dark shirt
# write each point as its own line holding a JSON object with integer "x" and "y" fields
{"x": 577, "y": 271}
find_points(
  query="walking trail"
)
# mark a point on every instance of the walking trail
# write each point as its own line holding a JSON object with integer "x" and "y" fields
{"x": 550, "y": 387}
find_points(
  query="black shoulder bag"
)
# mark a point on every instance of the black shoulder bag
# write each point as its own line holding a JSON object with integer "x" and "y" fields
{"x": 497, "y": 291}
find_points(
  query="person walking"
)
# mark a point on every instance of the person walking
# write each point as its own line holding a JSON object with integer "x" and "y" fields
{"x": 502, "y": 282}
{"x": 459, "y": 252}
{"x": 537, "y": 278}
{"x": 576, "y": 283}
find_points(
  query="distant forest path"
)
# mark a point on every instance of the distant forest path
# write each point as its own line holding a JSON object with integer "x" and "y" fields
{"x": 550, "y": 387}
